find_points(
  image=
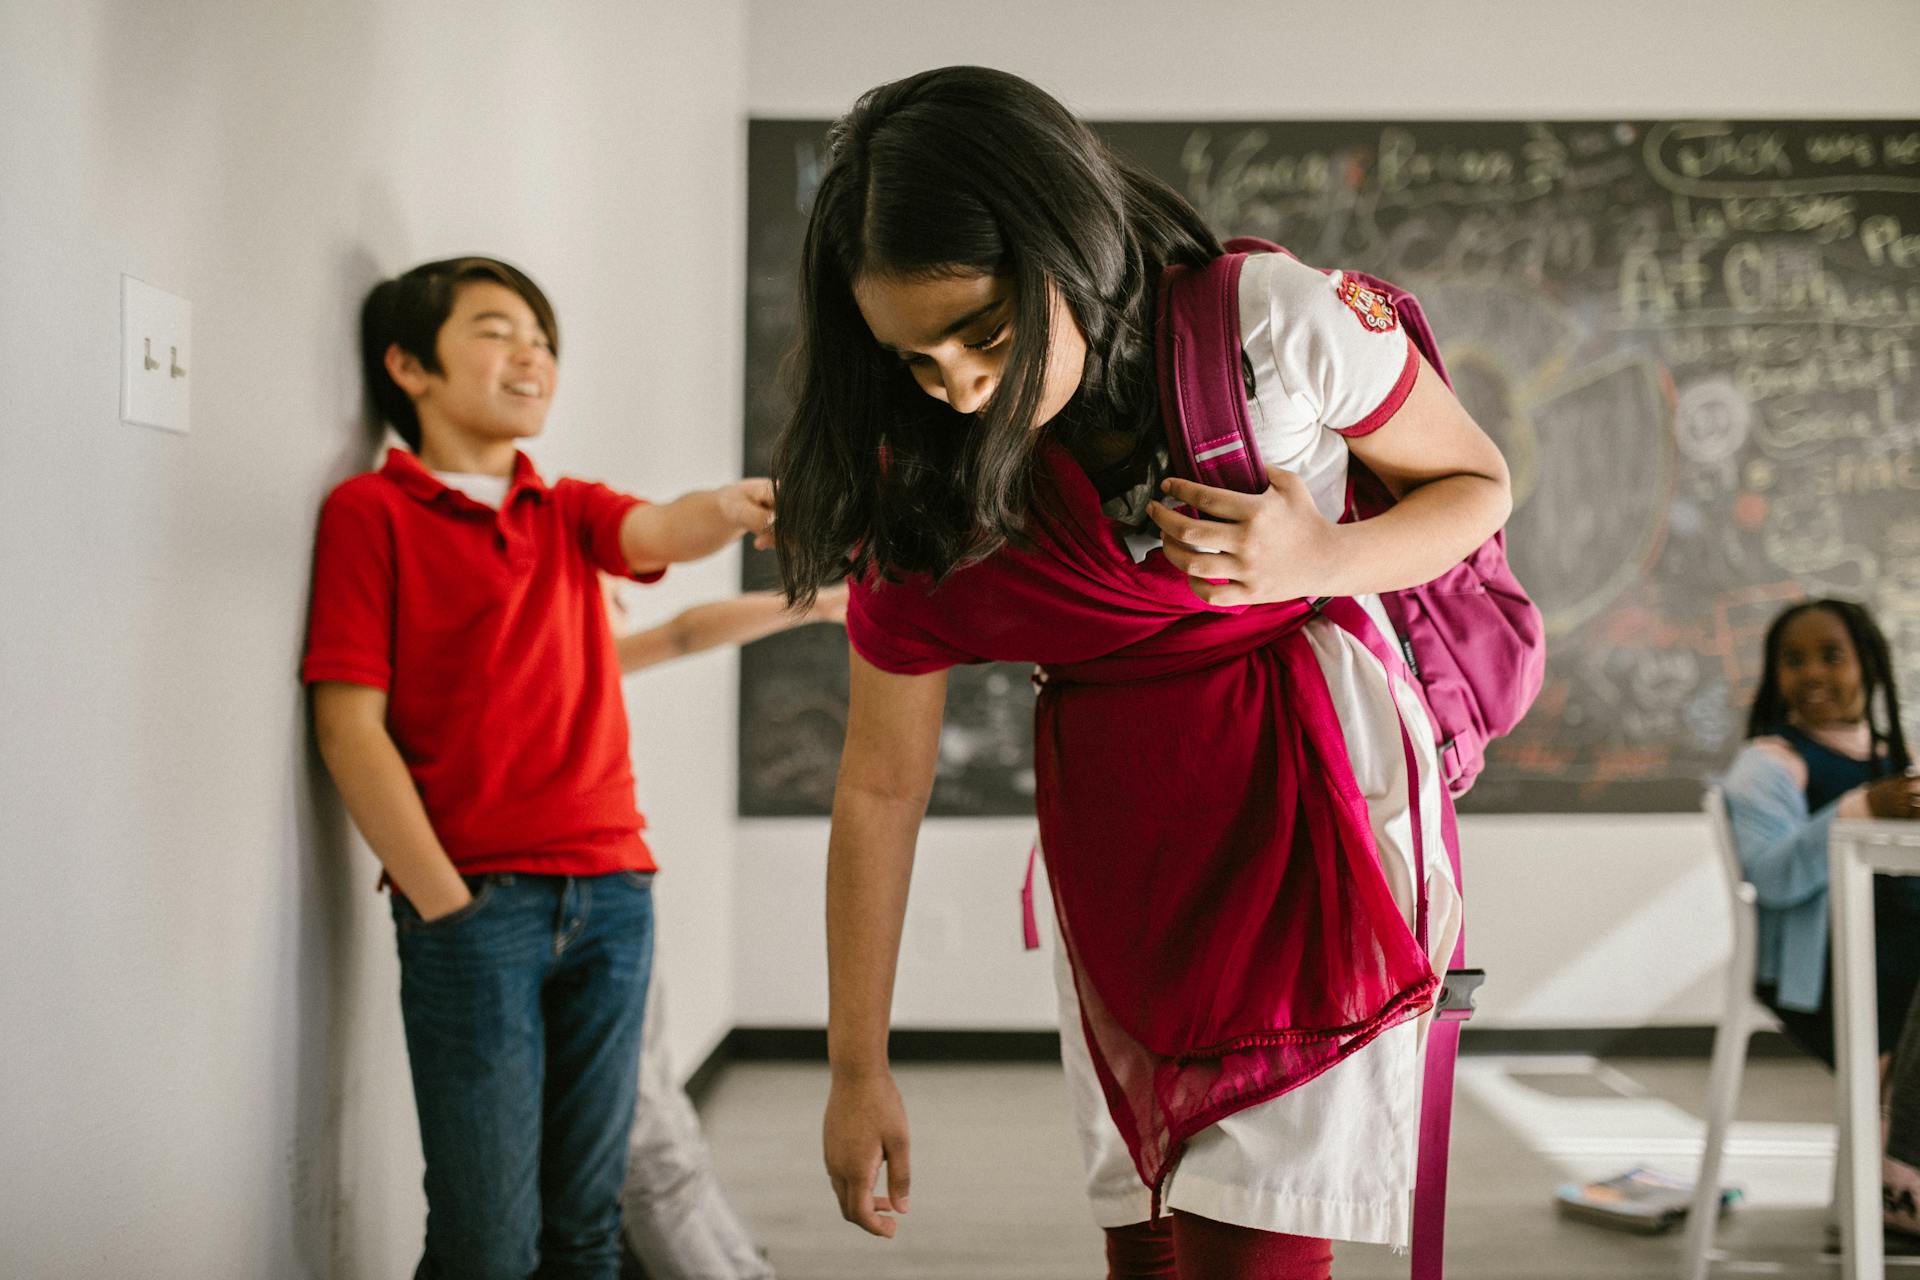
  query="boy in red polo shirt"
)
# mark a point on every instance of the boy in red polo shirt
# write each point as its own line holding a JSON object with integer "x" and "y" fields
{"x": 466, "y": 699}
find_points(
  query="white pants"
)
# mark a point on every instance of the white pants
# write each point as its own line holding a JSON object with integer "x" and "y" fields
{"x": 1336, "y": 1156}
{"x": 676, "y": 1219}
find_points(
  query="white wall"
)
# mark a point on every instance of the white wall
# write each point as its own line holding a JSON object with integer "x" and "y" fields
{"x": 1497, "y": 59}
{"x": 203, "y": 1074}
{"x": 1581, "y": 921}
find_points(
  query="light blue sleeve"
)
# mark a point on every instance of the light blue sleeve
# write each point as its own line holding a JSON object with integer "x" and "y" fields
{"x": 1782, "y": 846}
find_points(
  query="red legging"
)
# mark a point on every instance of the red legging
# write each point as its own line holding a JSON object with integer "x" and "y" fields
{"x": 1183, "y": 1245}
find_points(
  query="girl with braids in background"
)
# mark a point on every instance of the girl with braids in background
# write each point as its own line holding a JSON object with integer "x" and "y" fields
{"x": 1824, "y": 741}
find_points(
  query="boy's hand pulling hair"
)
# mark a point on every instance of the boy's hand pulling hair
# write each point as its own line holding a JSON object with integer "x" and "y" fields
{"x": 749, "y": 504}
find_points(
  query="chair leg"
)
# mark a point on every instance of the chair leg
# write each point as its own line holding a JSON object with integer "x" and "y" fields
{"x": 1842, "y": 1185}
{"x": 1723, "y": 1093}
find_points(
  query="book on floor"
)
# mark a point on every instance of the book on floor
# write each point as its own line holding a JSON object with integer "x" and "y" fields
{"x": 1643, "y": 1200}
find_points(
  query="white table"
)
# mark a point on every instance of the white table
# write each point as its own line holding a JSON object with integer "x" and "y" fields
{"x": 1858, "y": 850}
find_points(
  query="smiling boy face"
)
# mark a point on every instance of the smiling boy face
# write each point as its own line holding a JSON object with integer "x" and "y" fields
{"x": 497, "y": 372}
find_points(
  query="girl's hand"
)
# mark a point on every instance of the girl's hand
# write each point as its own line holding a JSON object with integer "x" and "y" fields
{"x": 866, "y": 1125}
{"x": 1257, "y": 548}
{"x": 1897, "y": 797}
{"x": 830, "y": 605}
{"x": 749, "y": 505}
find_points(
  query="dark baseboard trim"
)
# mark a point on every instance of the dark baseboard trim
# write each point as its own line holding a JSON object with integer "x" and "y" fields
{"x": 1616, "y": 1042}
{"x": 906, "y": 1044}
{"x": 809, "y": 1044}
{"x": 712, "y": 1067}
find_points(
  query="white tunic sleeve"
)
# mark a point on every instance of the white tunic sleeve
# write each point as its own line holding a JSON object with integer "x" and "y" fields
{"x": 1337, "y": 345}
{"x": 1329, "y": 359}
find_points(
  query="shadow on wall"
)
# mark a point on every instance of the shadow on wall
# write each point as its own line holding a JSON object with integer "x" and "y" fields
{"x": 335, "y": 1078}
{"x": 325, "y": 985}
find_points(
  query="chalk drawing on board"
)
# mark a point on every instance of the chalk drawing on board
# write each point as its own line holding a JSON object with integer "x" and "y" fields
{"x": 1572, "y": 432}
{"x": 1697, "y": 342}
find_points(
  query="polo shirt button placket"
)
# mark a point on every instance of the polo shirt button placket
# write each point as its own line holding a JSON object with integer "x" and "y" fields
{"x": 510, "y": 537}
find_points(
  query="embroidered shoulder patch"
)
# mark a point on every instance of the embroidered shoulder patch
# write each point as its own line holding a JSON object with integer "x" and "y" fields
{"x": 1371, "y": 305}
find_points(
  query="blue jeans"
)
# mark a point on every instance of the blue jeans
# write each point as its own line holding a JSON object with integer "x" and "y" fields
{"x": 523, "y": 1013}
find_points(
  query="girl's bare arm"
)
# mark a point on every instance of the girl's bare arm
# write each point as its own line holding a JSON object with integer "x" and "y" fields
{"x": 1452, "y": 489}
{"x": 886, "y": 776}
{"x": 741, "y": 620}
{"x": 697, "y": 524}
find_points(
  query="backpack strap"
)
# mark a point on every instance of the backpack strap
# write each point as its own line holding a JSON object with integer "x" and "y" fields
{"x": 1454, "y": 1007}
{"x": 1203, "y": 398}
{"x": 1029, "y": 922}
{"x": 1454, "y": 1004}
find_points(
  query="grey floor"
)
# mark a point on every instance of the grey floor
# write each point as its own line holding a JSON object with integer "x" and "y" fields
{"x": 996, "y": 1172}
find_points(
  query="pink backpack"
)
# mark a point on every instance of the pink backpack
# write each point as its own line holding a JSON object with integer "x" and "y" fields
{"x": 1472, "y": 638}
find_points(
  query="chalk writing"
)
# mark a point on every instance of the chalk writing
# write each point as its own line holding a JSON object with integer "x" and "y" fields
{"x": 1696, "y": 342}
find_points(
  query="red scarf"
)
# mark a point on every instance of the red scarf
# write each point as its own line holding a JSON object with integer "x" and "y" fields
{"x": 1213, "y": 867}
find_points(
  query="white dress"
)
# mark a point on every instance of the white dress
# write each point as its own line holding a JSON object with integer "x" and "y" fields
{"x": 1336, "y": 1156}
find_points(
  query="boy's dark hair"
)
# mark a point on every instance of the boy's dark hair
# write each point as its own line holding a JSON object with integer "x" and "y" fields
{"x": 1876, "y": 678}
{"x": 962, "y": 171}
{"x": 408, "y": 310}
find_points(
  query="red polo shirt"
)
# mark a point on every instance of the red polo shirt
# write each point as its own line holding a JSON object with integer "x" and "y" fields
{"x": 488, "y": 632}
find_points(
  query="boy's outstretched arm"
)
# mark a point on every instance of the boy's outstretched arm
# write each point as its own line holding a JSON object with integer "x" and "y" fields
{"x": 697, "y": 524}
{"x": 740, "y": 620}
{"x": 350, "y": 721}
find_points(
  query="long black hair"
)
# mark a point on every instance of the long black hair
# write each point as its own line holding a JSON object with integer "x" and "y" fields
{"x": 1876, "y": 679}
{"x": 961, "y": 171}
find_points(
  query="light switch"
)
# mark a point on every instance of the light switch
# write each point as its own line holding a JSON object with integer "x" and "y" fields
{"x": 156, "y": 355}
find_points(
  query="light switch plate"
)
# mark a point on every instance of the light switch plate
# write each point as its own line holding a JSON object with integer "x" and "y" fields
{"x": 156, "y": 356}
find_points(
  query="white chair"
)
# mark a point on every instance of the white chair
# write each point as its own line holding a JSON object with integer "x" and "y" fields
{"x": 1740, "y": 1016}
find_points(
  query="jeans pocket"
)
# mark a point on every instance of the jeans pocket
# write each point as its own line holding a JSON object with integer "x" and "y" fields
{"x": 637, "y": 879}
{"x": 411, "y": 920}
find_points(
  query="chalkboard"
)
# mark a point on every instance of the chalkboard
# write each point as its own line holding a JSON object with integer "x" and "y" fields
{"x": 1695, "y": 342}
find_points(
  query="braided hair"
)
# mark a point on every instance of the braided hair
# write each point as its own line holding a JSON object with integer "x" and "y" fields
{"x": 1876, "y": 679}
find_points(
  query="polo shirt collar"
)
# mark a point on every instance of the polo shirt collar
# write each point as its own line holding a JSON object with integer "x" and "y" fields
{"x": 405, "y": 469}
